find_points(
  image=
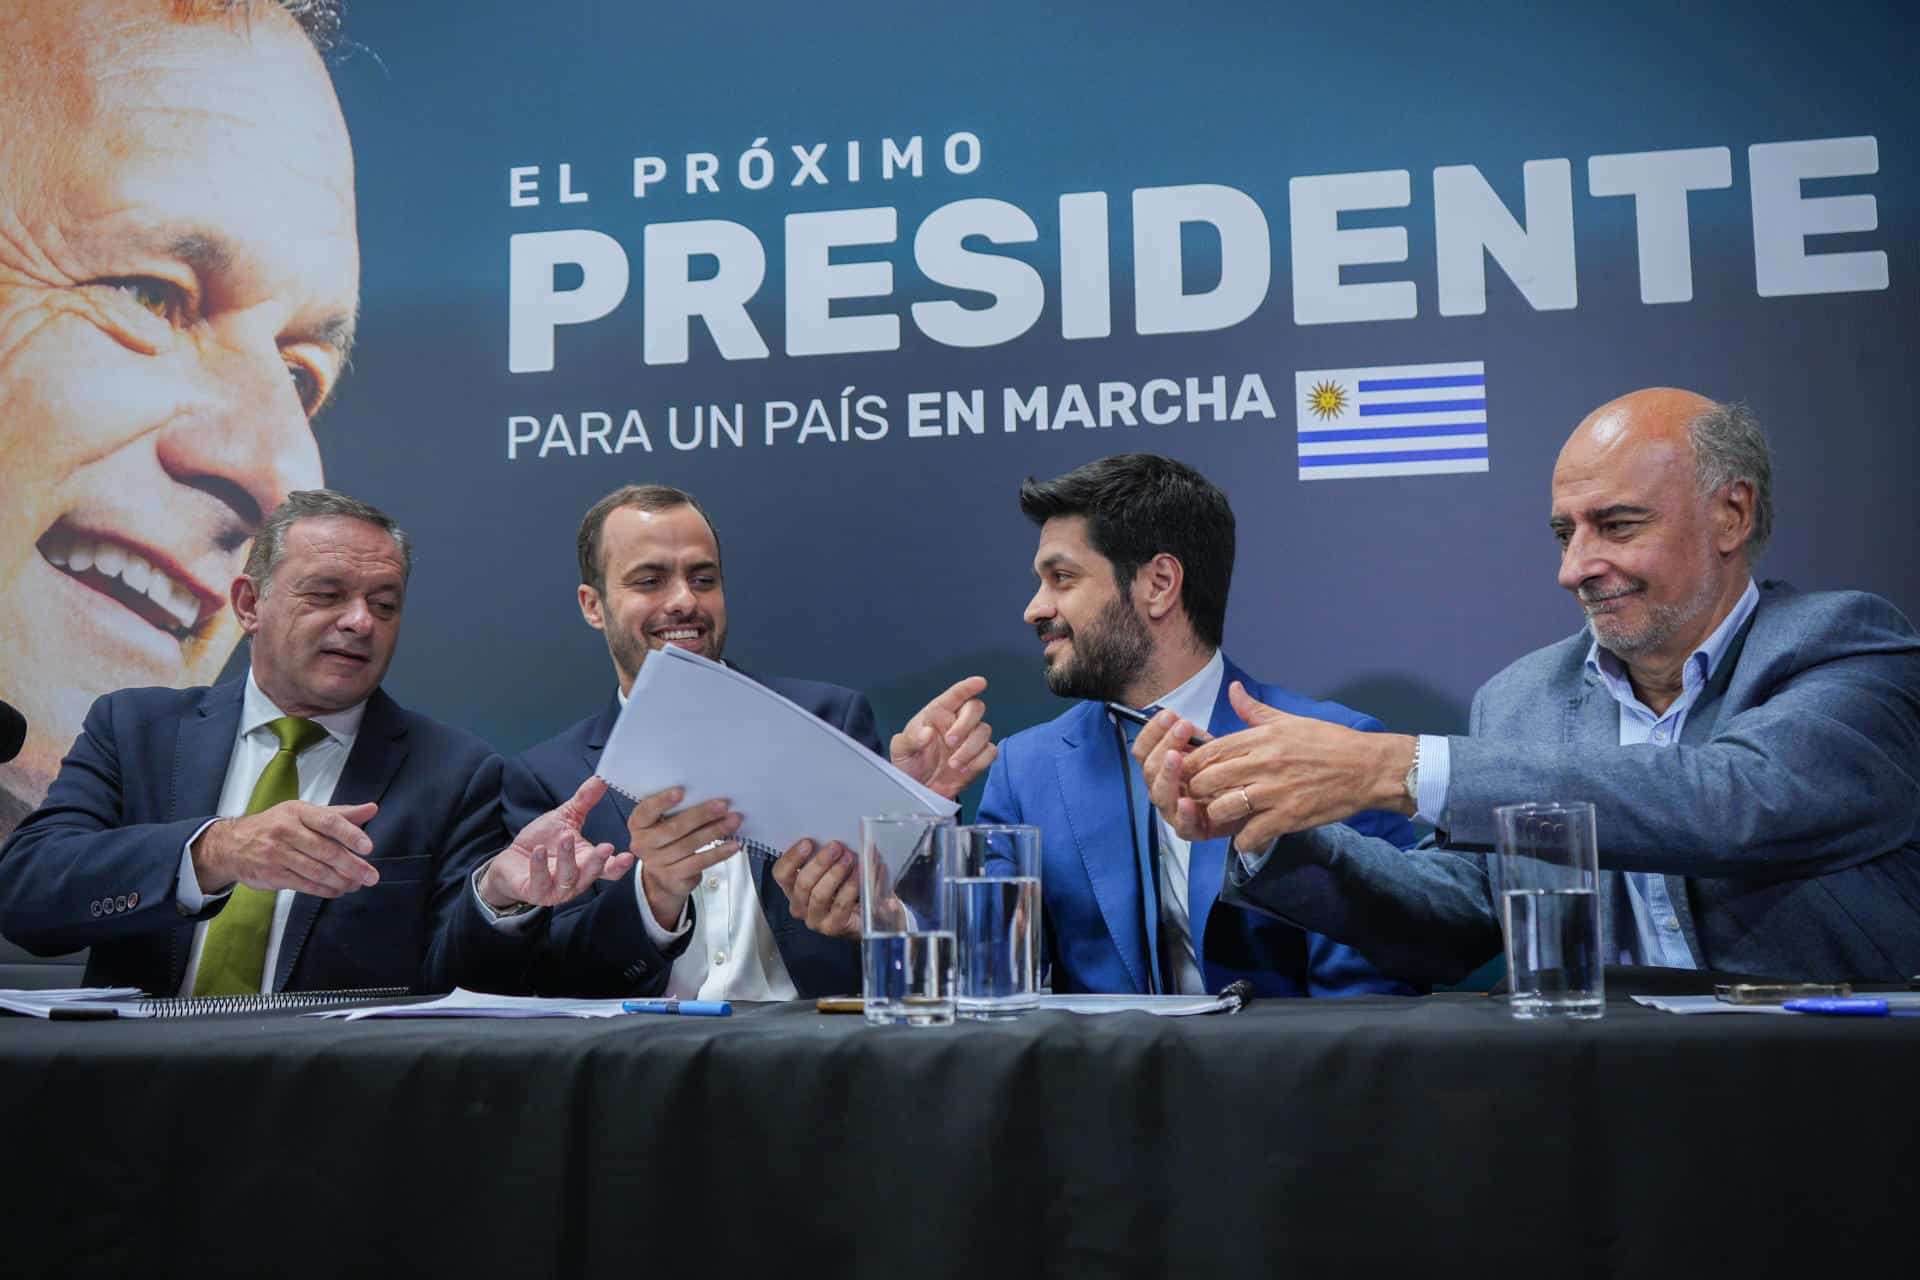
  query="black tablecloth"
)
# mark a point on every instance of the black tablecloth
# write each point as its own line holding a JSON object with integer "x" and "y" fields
{"x": 1375, "y": 1136}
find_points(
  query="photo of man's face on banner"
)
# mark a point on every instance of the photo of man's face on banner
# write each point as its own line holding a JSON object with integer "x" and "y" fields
{"x": 179, "y": 275}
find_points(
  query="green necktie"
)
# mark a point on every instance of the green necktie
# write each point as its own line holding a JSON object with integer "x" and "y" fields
{"x": 235, "y": 950}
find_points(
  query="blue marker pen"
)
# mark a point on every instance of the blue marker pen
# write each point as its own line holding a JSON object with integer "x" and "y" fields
{"x": 1848, "y": 1006}
{"x": 693, "y": 1008}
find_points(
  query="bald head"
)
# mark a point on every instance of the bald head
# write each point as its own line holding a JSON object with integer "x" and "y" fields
{"x": 1661, "y": 499}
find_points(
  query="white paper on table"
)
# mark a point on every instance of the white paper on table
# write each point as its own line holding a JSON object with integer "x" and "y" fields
{"x": 1703, "y": 1004}
{"x": 690, "y": 722}
{"x": 478, "y": 1004}
{"x": 37, "y": 1004}
{"x": 1159, "y": 1006}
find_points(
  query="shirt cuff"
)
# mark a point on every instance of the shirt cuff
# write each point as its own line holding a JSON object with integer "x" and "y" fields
{"x": 186, "y": 885}
{"x": 505, "y": 922}
{"x": 660, "y": 938}
{"x": 1436, "y": 771}
{"x": 1250, "y": 863}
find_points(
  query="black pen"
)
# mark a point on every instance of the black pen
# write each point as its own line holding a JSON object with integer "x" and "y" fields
{"x": 1143, "y": 719}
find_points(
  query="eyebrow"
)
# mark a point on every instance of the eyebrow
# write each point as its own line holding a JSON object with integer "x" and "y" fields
{"x": 1559, "y": 518}
{"x": 661, "y": 566}
{"x": 210, "y": 254}
{"x": 1054, "y": 561}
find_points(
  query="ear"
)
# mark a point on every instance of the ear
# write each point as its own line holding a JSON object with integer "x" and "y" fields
{"x": 590, "y": 608}
{"x": 1733, "y": 517}
{"x": 246, "y": 603}
{"x": 1156, "y": 588}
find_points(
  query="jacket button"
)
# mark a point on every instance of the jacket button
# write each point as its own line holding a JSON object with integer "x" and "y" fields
{"x": 94, "y": 906}
{"x": 120, "y": 903}
{"x": 133, "y": 900}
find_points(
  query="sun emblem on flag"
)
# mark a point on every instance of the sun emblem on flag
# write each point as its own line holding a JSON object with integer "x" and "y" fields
{"x": 1327, "y": 400}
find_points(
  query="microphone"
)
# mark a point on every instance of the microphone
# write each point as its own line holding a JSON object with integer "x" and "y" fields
{"x": 13, "y": 732}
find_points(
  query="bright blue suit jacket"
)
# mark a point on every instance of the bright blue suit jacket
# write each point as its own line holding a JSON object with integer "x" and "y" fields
{"x": 1066, "y": 777}
{"x": 97, "y": 865}
{"x": 597, "y": 945}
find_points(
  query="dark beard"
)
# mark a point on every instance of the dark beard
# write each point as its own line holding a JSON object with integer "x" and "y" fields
{"x": 1107, "y": 655}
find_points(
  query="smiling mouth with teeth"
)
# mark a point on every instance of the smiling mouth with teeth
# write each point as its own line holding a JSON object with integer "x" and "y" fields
{"x": 679, "y": 633}
{"x": 124, "y": 575}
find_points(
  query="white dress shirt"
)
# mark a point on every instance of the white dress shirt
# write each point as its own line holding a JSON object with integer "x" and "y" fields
{"x": 1193, "y": 702}
{"x": 254, "y": 745}
{"x": 732, "y": 954}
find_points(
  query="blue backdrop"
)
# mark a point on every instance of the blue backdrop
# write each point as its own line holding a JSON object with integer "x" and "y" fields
{"x": 900, "y": 563}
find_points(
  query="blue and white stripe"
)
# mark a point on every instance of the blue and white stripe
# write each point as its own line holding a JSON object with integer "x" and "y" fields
{"x": 1394, "y": 420}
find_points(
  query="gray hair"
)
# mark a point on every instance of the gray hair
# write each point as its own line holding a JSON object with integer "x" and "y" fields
{"x": 318, "y": 19}
{"x": 1728, "y": 445}
{"x": 270, "y": 544}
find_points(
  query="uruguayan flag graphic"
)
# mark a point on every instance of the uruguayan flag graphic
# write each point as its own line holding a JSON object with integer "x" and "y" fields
{"x": 1394, "y": 420}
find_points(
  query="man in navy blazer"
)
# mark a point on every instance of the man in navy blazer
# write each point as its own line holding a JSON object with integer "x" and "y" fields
{"x": 704, "y": 918}
{"x": 1752, "y": 752}
{"x": 1134, "y": 561}
{"x": 374, "y": 876}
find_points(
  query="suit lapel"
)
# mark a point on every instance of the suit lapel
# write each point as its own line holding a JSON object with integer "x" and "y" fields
{"x": 1207, "y": 859}
{"x": 379, "y": 749}
{"x": 618, "y": 802}
{"x": 1093, "y": 792}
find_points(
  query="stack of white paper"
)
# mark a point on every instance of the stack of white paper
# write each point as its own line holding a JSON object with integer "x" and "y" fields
{"x": 694, "y": 723}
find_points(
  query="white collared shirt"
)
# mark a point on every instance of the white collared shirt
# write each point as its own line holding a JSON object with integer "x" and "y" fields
{"x": 1193, "y": 702}
{"x": 732, "y": 954}
{"x": 319, "y": 766}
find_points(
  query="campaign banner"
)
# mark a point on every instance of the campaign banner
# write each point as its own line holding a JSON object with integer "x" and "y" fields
{"x": 849, "y": 273}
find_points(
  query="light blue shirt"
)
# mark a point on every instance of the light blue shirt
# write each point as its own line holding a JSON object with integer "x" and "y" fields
{"x": 1658, "y": 939}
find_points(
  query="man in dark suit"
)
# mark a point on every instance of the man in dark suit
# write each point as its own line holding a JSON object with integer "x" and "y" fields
{"x": 1135, "y": 557}
{"x": 295, "y": 829}
{"x": 705, "y": 918}
{"x": 1752, "y": 752}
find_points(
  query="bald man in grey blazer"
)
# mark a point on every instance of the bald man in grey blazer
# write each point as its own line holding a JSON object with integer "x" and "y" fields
{"x": 1752, "y": 751}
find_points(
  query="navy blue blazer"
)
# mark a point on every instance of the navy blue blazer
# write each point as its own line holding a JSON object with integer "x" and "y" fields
{"x": 597, "y": 945}
{"x": 97, "y": 865}
{"x": 1067, "y": 777}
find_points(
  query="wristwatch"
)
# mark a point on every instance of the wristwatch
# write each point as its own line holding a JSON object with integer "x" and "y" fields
{"x": 1412, "y": 783}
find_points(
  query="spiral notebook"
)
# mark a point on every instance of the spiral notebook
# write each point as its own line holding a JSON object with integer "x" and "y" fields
{"x": 694, "y": 723}
{"x": 77, "y": 1004}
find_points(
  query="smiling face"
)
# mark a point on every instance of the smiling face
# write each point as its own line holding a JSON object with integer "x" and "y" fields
{"x": 662, "y": 586}
{"x": 178, "y": 282}
{"x": 1654, "y": 563}
{"x": 1094, "y": 642}
{"x": 325, "y": 625}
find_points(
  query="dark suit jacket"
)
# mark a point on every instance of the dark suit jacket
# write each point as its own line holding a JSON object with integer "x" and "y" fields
{"x": 1787, "y": 818}
{"x": 146, "y": 773}
{"x": 597, "y": 945}
{"x": 1067, "y": 777}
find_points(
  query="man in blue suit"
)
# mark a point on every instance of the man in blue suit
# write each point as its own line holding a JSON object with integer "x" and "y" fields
{"x": 1752, "y": 752}
{"x": 295, "y": 829}
{"x": 1134, "y": 562}
{"x": 704, "y": 918}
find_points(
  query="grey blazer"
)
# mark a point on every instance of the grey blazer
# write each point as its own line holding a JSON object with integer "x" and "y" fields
{"x": 1786, "y": 820}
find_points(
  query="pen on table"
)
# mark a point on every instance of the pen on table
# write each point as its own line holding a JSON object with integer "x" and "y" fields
{"x": 81, "y": 1013}
{"x": 1143, "y": 719}
{"x": 1850, "y": 1006}
{"x": 692, "y": 1008}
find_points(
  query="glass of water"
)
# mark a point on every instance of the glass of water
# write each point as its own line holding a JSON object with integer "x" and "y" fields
{"x": 996, "y": 920}
{"x": 906, "y": 919}
{"x": 1547, "y": 872}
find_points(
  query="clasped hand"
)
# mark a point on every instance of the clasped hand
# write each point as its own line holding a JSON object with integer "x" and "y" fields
{"x": 1280, "y": 774}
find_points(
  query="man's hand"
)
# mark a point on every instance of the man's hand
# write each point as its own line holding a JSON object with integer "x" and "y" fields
{"x": 822, "y": 884}
{"x": 1161, "y": 748}
{"x": 550, "y": 862}
{"x": 1288, "y": 773}
{"x": 948, "y": 743}
{"x": 312, "y": 848}
{"x": 674, "y": 851}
